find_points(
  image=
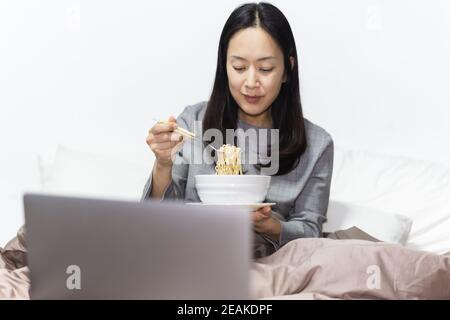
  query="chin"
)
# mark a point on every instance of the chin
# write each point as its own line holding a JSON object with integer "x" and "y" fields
{"x": 251, "y": 109}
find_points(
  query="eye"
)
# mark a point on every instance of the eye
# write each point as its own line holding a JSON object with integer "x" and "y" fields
{"x": 239, "y": 68}
{"x": 266, "y": 70}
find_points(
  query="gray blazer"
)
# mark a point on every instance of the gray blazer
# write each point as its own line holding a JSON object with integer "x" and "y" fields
{"x": 301, "y": 195}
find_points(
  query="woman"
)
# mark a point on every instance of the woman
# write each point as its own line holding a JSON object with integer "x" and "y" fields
{"x": 256, "y": 86}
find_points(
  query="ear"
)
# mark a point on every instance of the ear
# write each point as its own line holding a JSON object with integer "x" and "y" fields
{"x": 292, "y": 67}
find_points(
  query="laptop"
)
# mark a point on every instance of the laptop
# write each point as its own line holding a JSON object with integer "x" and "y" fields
{"x": 84, "y": 248}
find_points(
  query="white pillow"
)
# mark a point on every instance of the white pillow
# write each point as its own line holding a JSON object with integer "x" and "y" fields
{"x": 417, "y": 189}
{"x": 388, "y": 227}
{"x": 86, "y": 174}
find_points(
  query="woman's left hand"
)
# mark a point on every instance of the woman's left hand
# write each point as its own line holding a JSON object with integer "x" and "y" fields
{"x": 264, "y": 223}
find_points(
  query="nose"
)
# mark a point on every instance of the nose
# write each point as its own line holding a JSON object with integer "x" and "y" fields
{"x": 251, "y": 81}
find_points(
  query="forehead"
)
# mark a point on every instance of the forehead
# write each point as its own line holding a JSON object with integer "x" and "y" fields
{"x": 252, "y": 44}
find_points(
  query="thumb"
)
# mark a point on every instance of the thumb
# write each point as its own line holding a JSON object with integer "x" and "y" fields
{"x": 266, "y": 211}
{"x": 172, "y": 119}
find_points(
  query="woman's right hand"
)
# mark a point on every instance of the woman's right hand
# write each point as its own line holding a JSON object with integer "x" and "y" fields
{"x": 164, "y": 142}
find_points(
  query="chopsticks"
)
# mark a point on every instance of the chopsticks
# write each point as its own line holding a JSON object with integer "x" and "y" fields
{"x": 186, "y": 134}
{"x": 180, "y": 130}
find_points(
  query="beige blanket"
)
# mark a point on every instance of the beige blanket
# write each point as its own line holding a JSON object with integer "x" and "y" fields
{"x": 312, "y": 268}
{"x": 14, "y": 274}
{"x": 350, "y": 269}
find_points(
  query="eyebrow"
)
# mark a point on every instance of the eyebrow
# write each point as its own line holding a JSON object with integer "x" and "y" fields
{"x": 260, "y": 59}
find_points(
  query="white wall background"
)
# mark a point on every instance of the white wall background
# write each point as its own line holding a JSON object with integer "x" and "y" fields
{"x": 92, "y": 75}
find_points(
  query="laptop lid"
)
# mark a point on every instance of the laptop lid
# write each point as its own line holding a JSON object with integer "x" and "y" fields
{"x": 83, "y": 248}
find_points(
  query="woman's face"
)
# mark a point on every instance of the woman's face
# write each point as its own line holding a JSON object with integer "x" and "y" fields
{"x": 255, "y": 69}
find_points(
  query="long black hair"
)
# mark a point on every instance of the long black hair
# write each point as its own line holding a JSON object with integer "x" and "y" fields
{"x": 286, "y": 110}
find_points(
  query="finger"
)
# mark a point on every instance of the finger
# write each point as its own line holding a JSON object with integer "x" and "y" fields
{"x": 150, "y": 139}
{"x": 172, "y": 119}
{"x": 162, "y": 137}
{"x": 176, "y": 137}
{"x": 165, "y": 145}
{"x": 264, "y": 210}
{"x": 163, "y": 127}
{"x": 256, "y": 211}
{"x": 257, "y": 216}
{"x": 267, "y": 211}
{"x": 173, "y": 148}
{"x": 254, "y": 216}
{"x": 165, "y": 137}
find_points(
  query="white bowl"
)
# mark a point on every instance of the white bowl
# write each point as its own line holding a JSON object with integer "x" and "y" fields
{"x": 232, "y": 189}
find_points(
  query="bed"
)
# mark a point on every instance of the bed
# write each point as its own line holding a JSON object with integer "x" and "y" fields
{"x": 402, "y": 202}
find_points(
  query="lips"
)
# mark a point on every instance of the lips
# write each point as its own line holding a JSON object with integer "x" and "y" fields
{"x": 252, "y": 99}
